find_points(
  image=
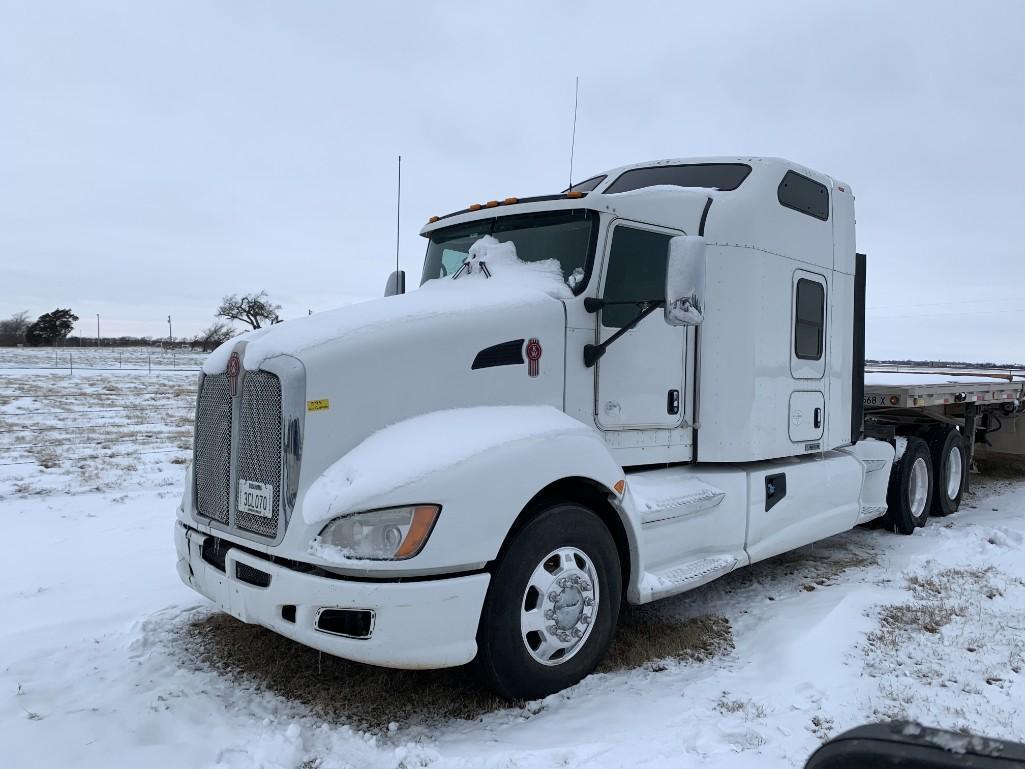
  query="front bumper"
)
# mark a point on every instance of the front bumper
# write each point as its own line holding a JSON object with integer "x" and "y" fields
{"x": 423, "y": 624}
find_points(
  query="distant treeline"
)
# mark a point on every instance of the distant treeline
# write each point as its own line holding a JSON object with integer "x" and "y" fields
{"x": 53, "y": 329}
{"x": 12, "y": 340}
{"x": 944, "y": 364}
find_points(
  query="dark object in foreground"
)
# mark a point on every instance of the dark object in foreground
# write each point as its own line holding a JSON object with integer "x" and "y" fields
{"x": 909, "y": 745}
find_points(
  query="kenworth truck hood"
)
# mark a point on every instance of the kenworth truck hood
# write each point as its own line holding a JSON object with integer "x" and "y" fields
{"x": 449, "y": 344}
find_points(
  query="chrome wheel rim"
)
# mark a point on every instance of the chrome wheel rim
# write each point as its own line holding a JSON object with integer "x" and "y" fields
{"x": 559, "y": 606}
{"x": 919, "y": 487}
{"x": 954, "y": 471}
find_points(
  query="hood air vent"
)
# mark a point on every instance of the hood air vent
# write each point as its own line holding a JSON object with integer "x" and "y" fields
{"x": 505, "y": 354}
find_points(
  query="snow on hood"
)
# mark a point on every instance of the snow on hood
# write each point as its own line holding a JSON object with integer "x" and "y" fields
{"x": 513, "y": 283}
{"x": 394, "y": 456}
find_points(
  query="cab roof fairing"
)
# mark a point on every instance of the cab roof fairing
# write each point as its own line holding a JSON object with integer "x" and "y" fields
{"x": 651, "y": 205}
{"x": 596, "y": 200}
{"x": 557, "y": 203}
{"x": 760, "y": 166}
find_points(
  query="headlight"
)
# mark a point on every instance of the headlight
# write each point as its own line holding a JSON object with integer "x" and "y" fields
{"x": 393, "y": 534}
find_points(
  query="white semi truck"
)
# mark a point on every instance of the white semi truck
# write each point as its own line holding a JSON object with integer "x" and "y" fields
{"x": 616, "y": 393}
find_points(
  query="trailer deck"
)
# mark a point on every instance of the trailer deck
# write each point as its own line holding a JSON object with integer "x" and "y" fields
{"x": 905, "y": 389}
{"x": 983, "y": 403}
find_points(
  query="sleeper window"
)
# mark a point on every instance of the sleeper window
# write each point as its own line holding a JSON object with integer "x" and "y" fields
{"x": 810, "y": 319}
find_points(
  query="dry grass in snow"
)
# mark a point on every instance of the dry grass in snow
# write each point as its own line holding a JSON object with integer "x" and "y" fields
{"x": 957, "y": 632}
{"x": 374, "y": 697}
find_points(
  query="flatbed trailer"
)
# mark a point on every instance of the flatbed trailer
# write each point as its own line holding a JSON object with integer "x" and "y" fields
{"x": 985, "y": 403}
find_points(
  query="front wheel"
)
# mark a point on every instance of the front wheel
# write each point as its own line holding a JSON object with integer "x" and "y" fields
{"x": 552, "y": 605}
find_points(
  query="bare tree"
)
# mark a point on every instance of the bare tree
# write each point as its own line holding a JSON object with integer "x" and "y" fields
{"x": 213, "y": 335}
{"x": 12, "y": 329}
{"x": 252, "y": 309}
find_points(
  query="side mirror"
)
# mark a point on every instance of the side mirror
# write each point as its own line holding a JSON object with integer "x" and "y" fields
{"x": 685, "y": 281}
{"x": 396, "y": 283}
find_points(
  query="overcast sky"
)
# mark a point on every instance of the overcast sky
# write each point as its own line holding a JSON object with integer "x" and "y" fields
{"x": 156, "y": 156}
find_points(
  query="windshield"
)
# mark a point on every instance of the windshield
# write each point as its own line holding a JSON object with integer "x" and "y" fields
{"x": 566, "y": 236}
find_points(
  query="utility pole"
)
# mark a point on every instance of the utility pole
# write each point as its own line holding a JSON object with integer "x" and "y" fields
{"x": 398, "y": 215}
{"x": 170, "y": 332}
{"x": 97, "y": 329}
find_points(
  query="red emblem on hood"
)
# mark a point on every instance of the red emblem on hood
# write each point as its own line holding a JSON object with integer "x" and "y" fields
{"x": 533, "y": 356}
{"x": 232, "y": 370}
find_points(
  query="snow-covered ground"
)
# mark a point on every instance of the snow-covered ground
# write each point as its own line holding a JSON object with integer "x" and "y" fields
{"x": 107, "y": 660}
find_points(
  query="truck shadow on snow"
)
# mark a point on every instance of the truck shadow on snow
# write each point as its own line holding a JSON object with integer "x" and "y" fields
{"x": 690, "y": 629}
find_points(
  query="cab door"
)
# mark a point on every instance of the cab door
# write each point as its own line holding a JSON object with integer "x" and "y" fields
{"x": 640, "y": 379}
{"x": 808, "y": 355}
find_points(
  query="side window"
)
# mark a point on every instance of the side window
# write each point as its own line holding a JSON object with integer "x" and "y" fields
{"x": 805, "y": 195}
{"x": 636, "y": 270}
{"x": 809, "y": 319}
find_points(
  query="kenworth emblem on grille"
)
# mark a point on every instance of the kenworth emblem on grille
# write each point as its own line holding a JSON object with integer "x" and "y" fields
{"x": 234, "y": 366}
{"x": 533, "y": 356}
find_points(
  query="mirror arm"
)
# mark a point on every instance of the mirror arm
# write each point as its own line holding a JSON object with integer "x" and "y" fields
{"x": 592, "y": 352}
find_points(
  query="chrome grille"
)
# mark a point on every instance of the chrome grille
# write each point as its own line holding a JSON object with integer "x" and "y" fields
{"x": 259, "y": 446}
{"x": 212, "y": 465}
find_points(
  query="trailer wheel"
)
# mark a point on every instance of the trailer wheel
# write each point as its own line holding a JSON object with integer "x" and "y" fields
{"x": 909, "y": 496}
{"x": 948, "y": 461}
{"x": 552, "y": 605}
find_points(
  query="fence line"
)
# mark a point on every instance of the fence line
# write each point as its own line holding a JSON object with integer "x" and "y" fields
{"x": 4, "y": 415}
{"x": 58, "y": 428}
{"x": 95, "y": 393}
{"x": 70, "y": 369}
{"x": 97, "y": 359}
{"x": 94, "y": 456}
{"x": 119, "y": 439}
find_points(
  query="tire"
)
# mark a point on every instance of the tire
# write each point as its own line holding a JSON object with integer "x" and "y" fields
{"x": 946, "y": 448}
{"x": 517, "y": 653}
{"x": 909, "y": 496}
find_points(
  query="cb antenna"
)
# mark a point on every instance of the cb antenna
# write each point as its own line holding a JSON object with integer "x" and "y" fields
{"x": 398, "y": 219}
{"x": 573, "y": 141}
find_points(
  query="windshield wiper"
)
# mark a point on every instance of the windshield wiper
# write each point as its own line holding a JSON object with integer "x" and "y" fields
{"x": 592, "y": 352}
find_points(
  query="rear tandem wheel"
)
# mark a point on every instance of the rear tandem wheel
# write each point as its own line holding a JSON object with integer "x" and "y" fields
{"x": 946, "y": 447}
{"x": 909, "y": 497}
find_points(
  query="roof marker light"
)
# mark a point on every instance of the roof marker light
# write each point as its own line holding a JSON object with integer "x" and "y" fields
{"x": 491, "y": 204}
{"x": 511, "y": 201}
{"x": 433, "y": 219}
{"x": 574, "y": 194}
{"x": 476, "y": 207}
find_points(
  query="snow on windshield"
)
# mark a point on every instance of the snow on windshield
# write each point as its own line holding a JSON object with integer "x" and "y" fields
{"x": 490, "y": 258}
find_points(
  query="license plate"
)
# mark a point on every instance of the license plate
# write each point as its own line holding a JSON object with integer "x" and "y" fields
{"x": 255, "y": 498}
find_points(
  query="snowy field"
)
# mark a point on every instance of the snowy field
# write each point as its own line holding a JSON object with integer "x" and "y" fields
{"x": 107, "y": 660}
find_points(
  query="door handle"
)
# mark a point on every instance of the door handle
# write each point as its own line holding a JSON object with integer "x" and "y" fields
{"x": 673, "y": 402}
{"x": 817, "y": 418}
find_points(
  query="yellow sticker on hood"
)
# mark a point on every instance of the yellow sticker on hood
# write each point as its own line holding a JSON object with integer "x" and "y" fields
{"x": 322, "y": 405}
